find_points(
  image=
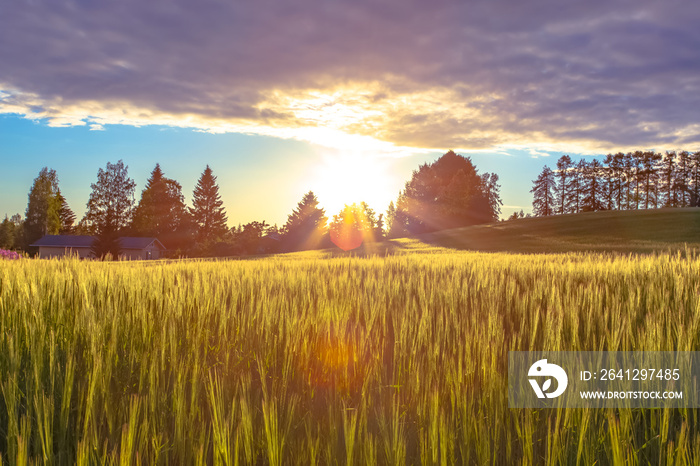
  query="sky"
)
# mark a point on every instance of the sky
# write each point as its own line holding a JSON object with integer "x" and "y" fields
{"x": 345, "y": 98}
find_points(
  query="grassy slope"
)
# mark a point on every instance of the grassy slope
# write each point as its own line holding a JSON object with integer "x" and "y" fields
{"x": 639, "y": 231}
{"x": 621, "y": 231}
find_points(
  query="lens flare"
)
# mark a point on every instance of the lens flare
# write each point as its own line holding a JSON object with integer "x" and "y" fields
{"x": 351, "y": 227}
{"x": 344, "y": 178}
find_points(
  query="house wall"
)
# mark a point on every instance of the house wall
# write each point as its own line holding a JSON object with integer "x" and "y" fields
{"x": 141, "y": 254}
{"x": 49, "y": 252}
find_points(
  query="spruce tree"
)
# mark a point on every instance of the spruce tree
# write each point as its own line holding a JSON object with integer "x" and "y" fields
{"x": 543, "y": 202}
{"x": 208, "y": 212}
{"x": 162, "y": 213}
{"x": 306, "y": 225}
{"x": 66, "y": 216}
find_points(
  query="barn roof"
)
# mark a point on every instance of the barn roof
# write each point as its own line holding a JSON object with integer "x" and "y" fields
{"x": 134, "y": 242}
{"x": 77, "y": 241}
{"x": 65, "y": 241}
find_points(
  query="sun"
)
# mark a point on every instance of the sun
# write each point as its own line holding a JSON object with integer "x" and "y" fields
{"x": 354, "y": 177}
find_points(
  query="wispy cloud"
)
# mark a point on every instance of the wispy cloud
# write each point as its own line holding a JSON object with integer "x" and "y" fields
{"x": 387, "y": 76}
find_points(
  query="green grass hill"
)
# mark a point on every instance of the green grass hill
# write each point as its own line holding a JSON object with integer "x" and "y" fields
{"x": 620, "y": 231}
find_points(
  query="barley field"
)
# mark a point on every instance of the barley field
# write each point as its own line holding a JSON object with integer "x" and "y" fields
{"x": 307, "y": 359}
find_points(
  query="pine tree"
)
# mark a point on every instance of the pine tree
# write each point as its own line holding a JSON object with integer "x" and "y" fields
{"x": 306, "y": 225}
{"x": 207, "y": 210}
{"x": 543, "y": 202}
{"x": 616, "y": 171}
{"x": 682, "y": 179}
{"x": 162, "y": 213}
{"x": 649, "y": 178}
{"x": 563, "y": 175}
{"x": 592, "y": 188}
{"x": 42, "y": 217}
{"x": 491, "y": 190}
{"x": 66, "y": 216}
{"x": 576, "y": 187}
{"x": 667, "y": 178}
{"x": 607, "y": 183}
{"x": 694, "y": 180}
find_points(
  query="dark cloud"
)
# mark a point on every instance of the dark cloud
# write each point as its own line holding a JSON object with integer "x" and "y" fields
{"x": 596, "y": 74}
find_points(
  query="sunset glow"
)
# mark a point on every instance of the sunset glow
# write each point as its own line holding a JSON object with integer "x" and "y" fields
{"x": 352, "y": 178}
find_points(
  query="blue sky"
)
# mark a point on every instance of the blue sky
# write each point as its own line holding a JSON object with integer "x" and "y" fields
{"x": 345, "y": 98}
{"x": 260, "y": 177}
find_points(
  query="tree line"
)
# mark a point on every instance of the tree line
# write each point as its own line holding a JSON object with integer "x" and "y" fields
{"x": 447, "y": 193}
{"x": 635, "y": 180}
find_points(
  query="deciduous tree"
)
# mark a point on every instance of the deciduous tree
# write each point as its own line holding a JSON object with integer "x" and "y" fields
{"x": 446, "y": 194}
{"x": 109, "y": 208}
{"x": 42, "y": 215}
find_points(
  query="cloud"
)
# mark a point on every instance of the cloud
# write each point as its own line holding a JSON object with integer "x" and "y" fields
{"x": 387, "y": 76}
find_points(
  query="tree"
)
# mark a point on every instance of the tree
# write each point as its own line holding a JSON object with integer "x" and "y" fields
{"x": 41, "y": 217}
{"x": 616, "y": 180}
{"x": 353, "y": 225}
{"x": 667, "y": 177}
{"x": 630, "y": 171}
{"x": 106, "y": 246}
{"x": 694, "y": 180}
{"x": 592, "y": 188}
{"x": 576, "y": 187}
{"x": 491, "y": 190}
{"x": 563, "y": 175}
{"x": 397, "y": 218}
{"x": 390, "y": 219}
{"x": 306, "y": 225}
{"x": 375, "y": 223}
{"x": 649, "y": 177}
{"x": 249, "y": 237}
{"x": 638, "y": 177}
{"x": 162, "y": 213}
{"x": 109, "y": 208}
{"x": 543, "y": 202}
{"x": 517, "y": 215}
{"x": 446, "y": 194}
{"x": 7, "y": 234}
{"x": 207, "y": 210}
{"x": 66, "y": 217}
{"x": 682, "y": 178}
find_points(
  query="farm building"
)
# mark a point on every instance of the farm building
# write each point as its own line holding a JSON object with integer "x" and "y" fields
{"x": 132, "y": 248}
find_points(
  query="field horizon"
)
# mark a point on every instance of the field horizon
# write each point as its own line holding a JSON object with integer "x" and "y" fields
{"x": 625, "y": 232}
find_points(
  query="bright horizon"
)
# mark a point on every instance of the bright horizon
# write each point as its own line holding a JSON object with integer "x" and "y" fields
{"x": 342, "y": 99}
{"x": 266, "y": 186}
